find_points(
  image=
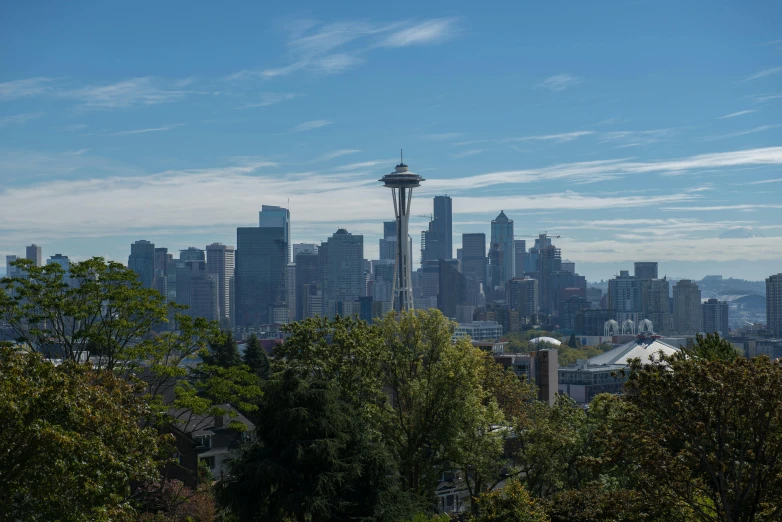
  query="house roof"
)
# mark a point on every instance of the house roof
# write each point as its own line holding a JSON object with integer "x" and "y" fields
{"x": 208, "y": 424}
{"x": 642, "y": 348}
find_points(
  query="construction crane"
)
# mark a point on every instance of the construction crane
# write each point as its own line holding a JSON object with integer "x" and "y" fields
{"x": 428, "y": 216}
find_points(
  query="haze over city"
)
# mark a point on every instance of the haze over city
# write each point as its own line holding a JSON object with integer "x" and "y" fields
{"x": 633, "y": 130}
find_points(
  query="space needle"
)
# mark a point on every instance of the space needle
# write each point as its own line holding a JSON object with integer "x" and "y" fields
{"x": 402, "y": 182}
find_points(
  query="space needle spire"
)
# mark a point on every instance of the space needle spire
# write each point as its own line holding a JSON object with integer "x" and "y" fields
{"x": 402, "y": 182}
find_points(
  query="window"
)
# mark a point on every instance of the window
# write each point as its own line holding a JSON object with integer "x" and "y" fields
{"x": 204, "y": 440}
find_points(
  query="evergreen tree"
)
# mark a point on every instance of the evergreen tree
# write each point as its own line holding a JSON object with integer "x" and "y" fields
{"x": 573, "y": 343}
{"x": 255, "y": 357}
{"x": 222, "y": 352}
{"x": 313, "y": 459}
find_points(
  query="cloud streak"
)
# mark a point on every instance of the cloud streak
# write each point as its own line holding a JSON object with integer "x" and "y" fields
{"x": 334, "y": 48}
{"x": 734, "y": 114}
{"x": 763, "y": 74}
{"x": 310, "y": 125}
{"x": 559, "y": 82}
{"x": 17, "y": 119}
{"x": 144, "y": 131}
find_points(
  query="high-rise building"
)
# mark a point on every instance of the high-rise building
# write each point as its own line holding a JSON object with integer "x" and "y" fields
{"x": 261, "y": 258}
{"x": 198, "y": 290}
{"x": 383, "y": 287}
{"x": 646, "y": 270}
{"x": 290, "y": 292}
{"x": 192, "y": 254}
{"x": 452, "y": 291}
{"x": 549, "y": 264}
{"x": 161, "y": 270}
{"x": 307, "y": 274}
{"x": 569, "y": 266}
{"x": 437, "y": 242}
{"x": 520, "y": 251}
{"x": 402, "y": 182}
{"x": 65, "y": 264}
{"x": 624, "y": 293}
{"x": 343, "y": 278}
{"x": 304, "y": 248}
{"x": 272, "y": 216}
{"x": 522, "y": 296}
{"x": 34, "y": 254}
{"x": 10, "y": 270}
{"x": 774, "y": 305}
{"x": 474, "y": 261}
{"x": 443, "y": 217}
{"x": 715, "y": 316}
{"x": 142, "y": 261}
{"x": 220, "y": 261}
{"x": 502, "y": 235}
{"x": 655, "y": 303}
{"x": 686, "y": 307}
{"x": 312, "y": 301}
{"x": 430, "y": 279}
{"x": 496, "y": 259}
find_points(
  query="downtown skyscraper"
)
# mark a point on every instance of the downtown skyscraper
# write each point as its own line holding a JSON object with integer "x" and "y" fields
{"x": 142, "y": 261}
{"x": 502, "y": 237}
{"x": 774, "y": 305}
{"x": 344, "y": 282}
{"x": 261, "y": 260}
{"x": 220, "y": 262}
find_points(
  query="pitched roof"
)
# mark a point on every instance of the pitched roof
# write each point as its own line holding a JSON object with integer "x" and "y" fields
{"x": 642, "y": 348}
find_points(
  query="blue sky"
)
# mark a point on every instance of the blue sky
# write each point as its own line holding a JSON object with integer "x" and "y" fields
{"x": 635, "y": 130}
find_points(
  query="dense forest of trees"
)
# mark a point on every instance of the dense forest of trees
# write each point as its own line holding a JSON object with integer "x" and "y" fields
{"x": 358, "y": 422}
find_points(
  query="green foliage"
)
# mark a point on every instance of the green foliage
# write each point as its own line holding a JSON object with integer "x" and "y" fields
{"x": 572, "y": 342}
{"x": 707, "y": 434}
{"x": 549, "y": 444}
{"x": 433, "y": 384}
{"x": 420, "y": 517}
{"x": 72, "y": 444}
{"x": 711, "y": 348}
{"x": 222, "y": 352}
{"x": 509, "y": 504}
{"x": 312, "y": 461}
{"x": 255, "y": 357}
{"x": 103, "y": 310}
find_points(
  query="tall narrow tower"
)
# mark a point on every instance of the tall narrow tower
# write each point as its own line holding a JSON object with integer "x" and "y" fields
{"x": 402, "y": 182}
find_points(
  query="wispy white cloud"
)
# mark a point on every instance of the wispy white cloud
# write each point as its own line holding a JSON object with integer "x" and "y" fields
{"x": 334, "y": 48}
{"x": 763, "y": 98}
{"x": 589, "y": 171}
{"x": 763, "y": 181}
{"x": 427, "y": 32}
{"x": 75, "y": 127}
{"x": 624, "y": 139}
{"x": 24, "y": 88}
{"x": 560, "y": 138}
{"x": 144, "y": 131}
{"x": 734, "y": 114}
{"x": 761, "y": 128}
{"x": 135, "y": 91}
{"x": 337, "y": 154}
{"x": 271, "y": 98}
{"x": 310, "y": 125}
{"x": 763, "y": 74}
{"x": 466, "y": 153}
{"x": 19, "y": 118}
{"x": 559, "y": 82}
{"x": 712, "y": 208}
{"x": 442, "y": 136}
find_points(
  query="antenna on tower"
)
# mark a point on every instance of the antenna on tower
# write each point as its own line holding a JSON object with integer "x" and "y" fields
{"x": 401, "y": 157}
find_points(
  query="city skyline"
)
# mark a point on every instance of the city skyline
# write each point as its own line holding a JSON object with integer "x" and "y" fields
{"x": 178, "y": 140}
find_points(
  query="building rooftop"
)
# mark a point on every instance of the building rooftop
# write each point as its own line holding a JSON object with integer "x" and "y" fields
{"x": 643, "y": 348}
{"x": 549, "y": 340}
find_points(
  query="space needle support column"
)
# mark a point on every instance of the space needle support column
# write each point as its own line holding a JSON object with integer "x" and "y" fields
{"x": 404, "y": 182}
